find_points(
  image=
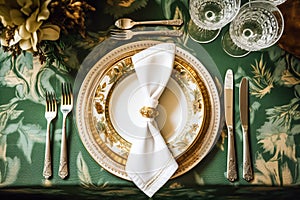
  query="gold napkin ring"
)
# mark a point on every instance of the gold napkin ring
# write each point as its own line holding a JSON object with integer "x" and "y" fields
{"x": 149, "y": 112}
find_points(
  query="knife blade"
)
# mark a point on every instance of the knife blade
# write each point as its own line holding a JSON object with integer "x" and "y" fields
{"x": 244, "y": 114}
{"x": 228, "y": 102}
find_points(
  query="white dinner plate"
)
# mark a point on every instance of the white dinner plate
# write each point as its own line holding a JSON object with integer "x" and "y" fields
{"x": 189, "y": 109}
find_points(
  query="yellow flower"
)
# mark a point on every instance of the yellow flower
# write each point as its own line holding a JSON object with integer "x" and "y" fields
{"x": 27, "y": 18}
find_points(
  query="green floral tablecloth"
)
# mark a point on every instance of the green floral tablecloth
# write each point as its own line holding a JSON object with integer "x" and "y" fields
{"x": 274, "y": 77}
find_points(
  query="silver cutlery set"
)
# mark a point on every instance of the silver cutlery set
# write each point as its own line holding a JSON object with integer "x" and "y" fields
{"x": 50, "y": 114}
{"x": 122, "y": 33}
{"x": 244, "y": 112}
{"x": 123, "y": 24}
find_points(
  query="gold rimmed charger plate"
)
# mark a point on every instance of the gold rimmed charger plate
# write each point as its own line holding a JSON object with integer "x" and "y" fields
{"x": 190, "y": 85}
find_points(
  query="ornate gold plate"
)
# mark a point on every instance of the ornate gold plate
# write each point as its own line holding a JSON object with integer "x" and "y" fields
{"x": 190, "y": 124}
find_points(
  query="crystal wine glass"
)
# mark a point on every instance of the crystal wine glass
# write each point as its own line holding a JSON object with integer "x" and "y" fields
{"x": 258, "y": 25}
{"x": 275, "y": 2}
{"x": 208, "y": 17}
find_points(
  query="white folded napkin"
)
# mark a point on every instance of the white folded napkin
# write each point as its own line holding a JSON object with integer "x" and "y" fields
{"x": 150, "y": 164}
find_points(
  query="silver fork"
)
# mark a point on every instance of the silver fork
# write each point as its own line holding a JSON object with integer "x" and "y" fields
{"x": 50, "y": 114}
{"x": 66, "y": 108}
{"x": 128, "y": 34}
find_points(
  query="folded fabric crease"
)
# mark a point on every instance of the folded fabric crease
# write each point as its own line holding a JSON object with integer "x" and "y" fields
{"x": 150, "y": 163}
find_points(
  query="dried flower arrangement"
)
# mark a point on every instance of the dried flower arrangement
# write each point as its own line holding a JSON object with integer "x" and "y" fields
{"x": 38, "y": 25}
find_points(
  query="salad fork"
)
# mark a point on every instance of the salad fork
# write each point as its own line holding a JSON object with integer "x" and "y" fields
{"x": 66, "y": 108}
{"x": 128, "y": 34}
{"x": 50, "y": 114}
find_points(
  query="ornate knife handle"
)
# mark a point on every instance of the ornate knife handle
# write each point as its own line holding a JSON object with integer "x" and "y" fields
{"x": 247, "y": 165}
{"x": 231, "y": 157}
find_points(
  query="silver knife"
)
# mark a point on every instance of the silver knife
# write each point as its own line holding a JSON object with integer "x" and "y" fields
{"x": 244, "y": 112}
{"x": 228, "y": 102}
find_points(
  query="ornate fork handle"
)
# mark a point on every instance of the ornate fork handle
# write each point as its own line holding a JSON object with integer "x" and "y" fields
{"x": 175, "y": 22}
{"x": 165, "y": 32}
{"x": 47, "y": 171}
{"x": 63, "y": 163}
